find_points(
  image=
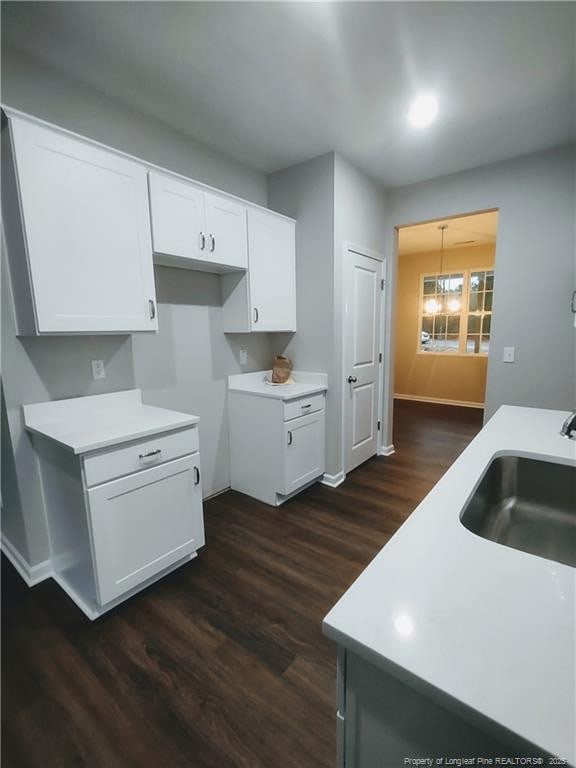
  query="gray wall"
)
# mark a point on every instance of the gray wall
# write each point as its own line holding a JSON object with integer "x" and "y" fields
{"x": 334, "y": 204}
{"x": 35, "y": 88}
{"x": 306, "y": 192}
{"x": 534, "y": 268}
{"x": 182, "y": 367}
{"x": 360, "y": 220}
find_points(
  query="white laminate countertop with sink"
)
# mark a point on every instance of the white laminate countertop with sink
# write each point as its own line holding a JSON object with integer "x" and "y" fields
{"x": 84, "y": 424}
{"x": 491, "y": 626}
{"x": 255, "y": 384}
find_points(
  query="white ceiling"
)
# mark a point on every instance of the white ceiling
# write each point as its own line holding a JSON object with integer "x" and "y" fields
{"x": 461, "y": 232}
{"x": 275, "y": 83}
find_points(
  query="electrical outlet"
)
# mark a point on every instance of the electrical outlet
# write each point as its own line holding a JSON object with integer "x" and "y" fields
{"x": 508, "y": 355}
{"x": 243, "y": 357}
{"x": 98, "y": 369}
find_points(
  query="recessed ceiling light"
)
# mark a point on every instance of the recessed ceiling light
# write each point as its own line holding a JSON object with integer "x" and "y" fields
{"x": 423, "y": 110}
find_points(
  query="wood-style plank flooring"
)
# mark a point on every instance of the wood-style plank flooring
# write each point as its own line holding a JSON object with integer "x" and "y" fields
{"x": 223, "y": 663}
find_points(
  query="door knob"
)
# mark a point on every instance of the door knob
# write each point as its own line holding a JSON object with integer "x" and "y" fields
{"x": 352, "y": 379}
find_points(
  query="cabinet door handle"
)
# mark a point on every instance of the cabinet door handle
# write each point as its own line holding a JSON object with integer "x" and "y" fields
{"x": 289, "y": 437}
{"x": 152, "y": 309}
{"x": 255, "y": 314}
{"x": 196, "y": 476}
{"x": 212, "y": 243}
{"x": 150, "y": 454}
{"x": 573, "y": 302}
{"x": 352, "y": 379}
{"x": 202, "y": 241}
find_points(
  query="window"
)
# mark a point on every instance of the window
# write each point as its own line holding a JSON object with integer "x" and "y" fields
{"x": 456, "y": 312}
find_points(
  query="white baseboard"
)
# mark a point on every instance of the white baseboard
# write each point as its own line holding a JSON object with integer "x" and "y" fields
{"x": 386, "y": 450}
{"x": 439, "y": 401}
{"x": 333, "y": 481}
{"x": 32, "y": 574}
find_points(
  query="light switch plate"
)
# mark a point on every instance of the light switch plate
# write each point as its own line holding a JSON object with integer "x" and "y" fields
{"x": 508, "y": 355}
{"x": 98, "y": 369}
{"x": 243, "y": 357}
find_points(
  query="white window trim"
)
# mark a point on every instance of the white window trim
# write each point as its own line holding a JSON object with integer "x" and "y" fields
{"x": 463, "y": 335}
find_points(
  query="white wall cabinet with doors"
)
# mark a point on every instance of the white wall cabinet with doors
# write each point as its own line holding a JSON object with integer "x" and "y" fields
{"x": 277, "y": 435}
{"x": 194, "y": 228}
{"x": 263, "y": 299}
{"x": 122, "y": 490}
{"x": 78, "y": 234}
{"x": 84, "y": 224}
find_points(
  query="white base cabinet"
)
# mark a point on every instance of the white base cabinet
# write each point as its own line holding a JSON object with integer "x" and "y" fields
{"x": 276, "y": 447}
{"x": 130, "y": 543}
{"x": 122, "y": 510}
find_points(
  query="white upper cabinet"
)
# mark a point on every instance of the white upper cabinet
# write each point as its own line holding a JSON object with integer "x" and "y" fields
{"x": 194, "y": 228}
{"x": 265, "y": 298}
{"x": 226, "y": 231}
{"x": 272, "y": 272}
{"x": 177, "y": 211}
{"x": 81, "y": 236}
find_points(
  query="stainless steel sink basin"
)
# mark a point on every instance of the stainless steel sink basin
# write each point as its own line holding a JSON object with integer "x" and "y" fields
{"x": 526, "y": 504}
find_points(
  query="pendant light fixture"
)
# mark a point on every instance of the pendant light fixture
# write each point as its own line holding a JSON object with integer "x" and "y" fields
{"x": 433, "y": 306}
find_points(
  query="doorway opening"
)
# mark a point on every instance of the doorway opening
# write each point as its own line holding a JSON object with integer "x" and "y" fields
{"x": 443, "y": 310}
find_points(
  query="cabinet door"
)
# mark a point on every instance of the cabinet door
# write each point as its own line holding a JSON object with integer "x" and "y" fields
{"x": 271, "y": 248}
{"x": 226, "y": 231}
{"x": 177, "y": 211}
{"x": 87, "y": 229}
{"x": 304, "y": 450}
{"x": 145, "y": 522}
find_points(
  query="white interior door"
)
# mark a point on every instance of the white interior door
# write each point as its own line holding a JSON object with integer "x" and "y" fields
{"x": 87, "y": 224}
{"x": 226, "y": 231}
{"x": 362, "y": 366}
{"x": 177, "y": 211}
{"x": 272, "y": 254}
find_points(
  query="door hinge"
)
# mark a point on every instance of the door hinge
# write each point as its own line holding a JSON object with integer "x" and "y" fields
{"x": 379, "y": 425}
{"x": 382, "y": 284}
{"x": 380, "y": 357}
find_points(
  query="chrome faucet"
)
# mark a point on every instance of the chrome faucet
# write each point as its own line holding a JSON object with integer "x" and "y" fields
{"x": 569, "y": 427}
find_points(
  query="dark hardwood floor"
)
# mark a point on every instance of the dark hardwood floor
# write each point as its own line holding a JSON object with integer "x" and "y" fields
{"x": 223, "y": 663}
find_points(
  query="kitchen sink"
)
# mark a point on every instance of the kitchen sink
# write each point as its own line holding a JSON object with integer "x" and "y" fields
{"x": 528, "y": 505}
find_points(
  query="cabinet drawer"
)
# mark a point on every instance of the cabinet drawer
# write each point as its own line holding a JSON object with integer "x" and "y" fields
{"x": 304, "y": 405}
{"x": 151, "y": 451}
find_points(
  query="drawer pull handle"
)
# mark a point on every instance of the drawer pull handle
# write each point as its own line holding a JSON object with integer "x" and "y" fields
{"x": 196, "y": 476}
{"x": 309, "y": 405}
{"x": 150, "y": 454}
{"x": 289, "y": 437}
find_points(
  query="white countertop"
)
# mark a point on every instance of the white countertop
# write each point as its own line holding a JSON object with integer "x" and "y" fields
{"x": 84, "y": 424}
{"x": 491, "y": 626}
{"x": 255, "y": 384}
